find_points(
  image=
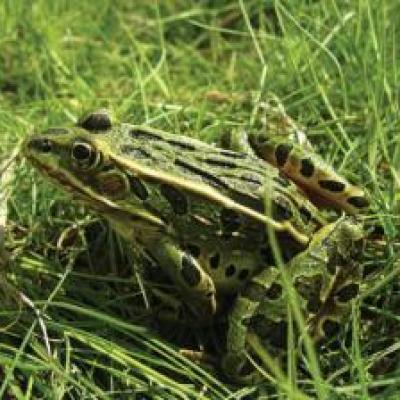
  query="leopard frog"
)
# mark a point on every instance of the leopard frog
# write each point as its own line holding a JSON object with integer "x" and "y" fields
{"x": 201, "y": 213}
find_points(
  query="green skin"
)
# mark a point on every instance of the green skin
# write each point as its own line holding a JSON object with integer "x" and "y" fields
{"x": 199, "y": 212}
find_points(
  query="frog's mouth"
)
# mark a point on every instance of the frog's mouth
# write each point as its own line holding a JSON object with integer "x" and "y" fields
{"x": 64, "y": 179}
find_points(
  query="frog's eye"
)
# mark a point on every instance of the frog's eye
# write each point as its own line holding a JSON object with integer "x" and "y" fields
{"x": 84, "y": 154}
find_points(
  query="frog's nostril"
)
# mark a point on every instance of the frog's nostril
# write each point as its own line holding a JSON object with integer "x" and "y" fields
{"x": 43, "y": 145}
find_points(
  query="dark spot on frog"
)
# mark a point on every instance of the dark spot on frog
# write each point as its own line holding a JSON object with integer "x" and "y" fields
{"x": 230, "y": 220}
{"x": 204, "y": 175}
{"x": 137, "y": 133}
{"x": 274, "y": 292}
{"x": 190, "y": 272}
{"x": 250, "y": 179}
{"x": 181, "y": 145}
{"x": 309, "y": 287}
{"x": 107, "y": 167}
{"x": 249, "y": 200}
{"x": 267, "y": 255}
{"x": 281, "y": 210}
{"x": 348, "y": 292}
{"x": 274, "y": 332}
{"x": 330, "y": 327}
{"x": 331, "y": 185}
{"x": 358, "y": 201}
{"x": 282, "y": 152}
{"x": 258, "y": 140}
{"x": 138, "y": 187}
{"x": 254, "y": 292}
{"x": 307, "y": 168}
{"x": 230, "y": 271}
{"x": 220, "y": 163}
{"x": 96, "y": 121}
{"x": 281, "y": 180}
{"x": 194, "y": 250}
{"x": 370, "y": 269}
{"x": 214, "y": 261}
{"x": 175, "y": 198}
{"x": 314, "y": 304}
{"x": 232, "y": 154}
{"x": 243, "y": 274}
{"x": 335, "y": 261}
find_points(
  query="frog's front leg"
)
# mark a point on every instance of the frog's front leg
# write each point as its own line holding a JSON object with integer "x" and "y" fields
{"x": 196, "y": 285}
{"x": 325, "y": 277}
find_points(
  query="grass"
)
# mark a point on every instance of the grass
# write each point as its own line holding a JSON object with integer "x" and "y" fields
{"x": 198, "y": 68}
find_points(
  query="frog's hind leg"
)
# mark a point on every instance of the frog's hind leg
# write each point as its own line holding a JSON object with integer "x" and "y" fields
{"x": 317, "y": 178}
{"x": 324, "y": 185}
{"x": 326, "y": 277}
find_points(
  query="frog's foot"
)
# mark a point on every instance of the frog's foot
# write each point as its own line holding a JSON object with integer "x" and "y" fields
{"x": 326, "y": 277}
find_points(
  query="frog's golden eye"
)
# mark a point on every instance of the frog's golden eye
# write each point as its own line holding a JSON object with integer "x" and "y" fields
{"x": 84, "y": 154}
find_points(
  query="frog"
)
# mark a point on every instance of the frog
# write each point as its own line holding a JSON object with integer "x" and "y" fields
{"x": 206, "y": 215}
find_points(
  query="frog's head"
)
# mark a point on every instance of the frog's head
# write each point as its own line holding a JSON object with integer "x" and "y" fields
{"x": 73, "y": 157}
{"x": 82, "y": 161}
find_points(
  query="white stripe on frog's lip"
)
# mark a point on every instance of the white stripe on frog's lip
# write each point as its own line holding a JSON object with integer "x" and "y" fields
{"x": 72, "y": 185}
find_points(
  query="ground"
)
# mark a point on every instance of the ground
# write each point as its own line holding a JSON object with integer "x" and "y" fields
{"x": 200, "y": 69}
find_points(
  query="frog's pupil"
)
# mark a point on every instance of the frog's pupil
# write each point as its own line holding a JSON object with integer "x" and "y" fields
{"x": 81, "y": 152}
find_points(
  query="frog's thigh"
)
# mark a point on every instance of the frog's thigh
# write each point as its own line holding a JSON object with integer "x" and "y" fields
{"x": 196, "y": 285}
{"x": 323, "y": 184}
